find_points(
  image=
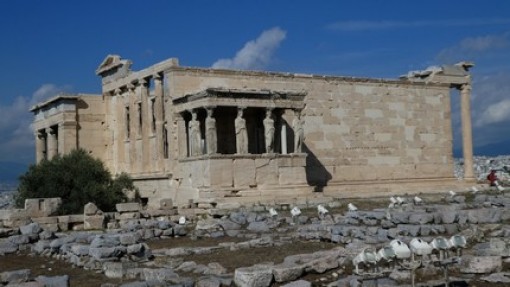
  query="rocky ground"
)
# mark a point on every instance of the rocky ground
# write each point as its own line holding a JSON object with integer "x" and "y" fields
{"x": 254, "y": 248}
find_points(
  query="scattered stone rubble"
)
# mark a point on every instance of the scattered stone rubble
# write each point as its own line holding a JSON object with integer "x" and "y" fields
{"x": 121, "y": 250}
{"x": 482, "y": 165}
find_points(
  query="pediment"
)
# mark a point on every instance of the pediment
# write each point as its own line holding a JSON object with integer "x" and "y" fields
{"x": 109, "y": 63}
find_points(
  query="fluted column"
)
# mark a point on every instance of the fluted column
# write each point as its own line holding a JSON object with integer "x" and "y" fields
{"x": 158, "y": 113}
{"x": 51, "y": 142}
{"x": 133, "y": 118}
{"x": 144, "y": 95}
{"x": 467, "y": 137}
{"x": 40, "y": 145}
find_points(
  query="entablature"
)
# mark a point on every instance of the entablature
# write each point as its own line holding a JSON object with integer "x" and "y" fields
{"x": 215, "y": 97}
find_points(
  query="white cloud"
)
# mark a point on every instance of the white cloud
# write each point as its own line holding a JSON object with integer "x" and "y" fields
{"x": 495, "y": 113}
{"x": 484, "y": 43}
{"x": 17, "y": 141}
{"x": 473, "y": 47}
{"x": 255, "y": 54}
{"x": 361, "y": 25}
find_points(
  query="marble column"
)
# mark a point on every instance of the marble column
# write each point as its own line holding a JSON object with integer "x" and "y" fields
{"x": 158, "y": 112}
{"x": 145, "y": 126}
{"x": 133, "y": 118}
{"x": 52, "y": 143}
{"x": 40, "y": 145}
{"x": 467, "y": 137}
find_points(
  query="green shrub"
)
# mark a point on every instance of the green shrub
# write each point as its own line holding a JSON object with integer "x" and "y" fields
{"x": 77, "y": 178}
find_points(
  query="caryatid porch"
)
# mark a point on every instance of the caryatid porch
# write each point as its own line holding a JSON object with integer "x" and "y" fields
{"x": 241, "y": 141}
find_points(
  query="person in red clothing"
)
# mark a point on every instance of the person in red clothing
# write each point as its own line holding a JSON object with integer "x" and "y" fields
{"x": 492, "y": 178}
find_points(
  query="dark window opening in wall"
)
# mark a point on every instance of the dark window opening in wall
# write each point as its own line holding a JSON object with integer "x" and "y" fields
{"x": 144, "y": 201}
{"x": 140, "y": 121}
{"x": 153, "y": 115}
{"x": 128, "y": 130}
{"x": 165, "y": 141}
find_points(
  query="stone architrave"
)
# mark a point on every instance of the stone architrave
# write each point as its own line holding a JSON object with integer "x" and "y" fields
{"x": 194, "y": 135}
{"x": 269, "y": 132}
{"x": 241, "y": 133}
{"x": 210, "y": 133}
{"x": 299, "y": 134}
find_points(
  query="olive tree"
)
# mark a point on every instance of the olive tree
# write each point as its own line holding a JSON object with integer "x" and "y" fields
{"x": 77, "y": 178}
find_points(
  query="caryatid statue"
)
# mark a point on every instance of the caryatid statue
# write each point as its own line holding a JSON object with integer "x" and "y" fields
{"x": 299, "y": 133}
{"x": 210, "y": 133}
{"x": 241, "y": 133}
{"x": 194, "y": 135}
{"x": 269, "y": 131}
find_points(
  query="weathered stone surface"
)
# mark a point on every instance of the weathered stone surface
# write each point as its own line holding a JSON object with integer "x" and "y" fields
{"x": 208, "y": 282}
{"x": 42, "y": 207}
{"x": 105, "y": 241}
{"x": 29, "y": 229}
{"x": 90, "y": 209}
{"x": 503, "y": 277}
{"x": 159, "y": 274}
{"x": 421, "y": 218}
{"x": 298, "y": 283}
{"x": 208, "y": 224}
{"x": 16, "y": 276}
{"x": 117, "y": 269}
{"x": 40, "y": 246}
{"x": 19, "y": 239}
{"x": 129, "y": 238}
{"x": 128, "y": 207}
{"x": 99, "y": 253}
{"x": 8, "y": 247}
{"x": 254, "y": 276}
{"x": 80, "y": 249}
{"x": 93, "y": 222}
{"x": 495, "y": 247}
{"x": 480, "y": 264}
{"x": 215, "y": 268}
{"x": 287, "y": 272}
{"x": 53, "y": 281}
{"x": 258, "y": 227}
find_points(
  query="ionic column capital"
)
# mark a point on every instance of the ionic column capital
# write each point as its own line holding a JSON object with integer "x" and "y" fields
{"x": 157, "y": 77}
{"x": 142, "y": 82}
{"x": 466, "y": 87}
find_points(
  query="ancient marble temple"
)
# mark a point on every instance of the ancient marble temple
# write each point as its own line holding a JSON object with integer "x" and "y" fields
{"x": 213, "y": 136}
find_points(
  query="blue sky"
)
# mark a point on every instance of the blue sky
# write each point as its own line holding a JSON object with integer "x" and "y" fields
{"x": 53, "y": 46}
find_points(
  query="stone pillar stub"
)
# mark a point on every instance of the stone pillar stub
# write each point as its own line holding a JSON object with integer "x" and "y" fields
{"x": 467, "y": 137}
